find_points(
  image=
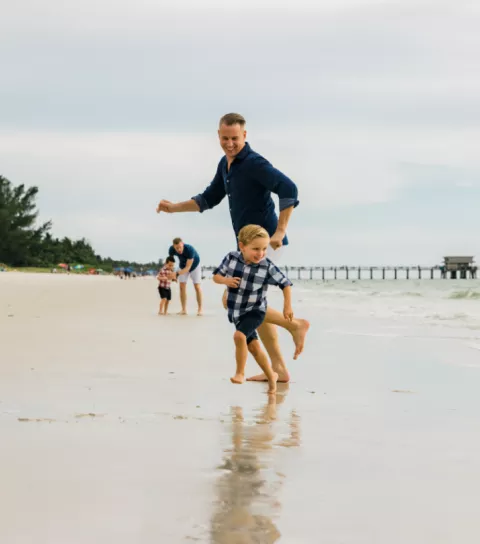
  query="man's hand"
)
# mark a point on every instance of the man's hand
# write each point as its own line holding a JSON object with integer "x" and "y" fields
{"x": 165, "y": 206}
{"x": 288, "y": 312}
{"x": 276, "y": 240}
{"x": 232, "y": 282}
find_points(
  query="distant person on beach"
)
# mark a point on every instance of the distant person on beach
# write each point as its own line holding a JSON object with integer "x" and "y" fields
{"x": 189, "y": 268}
{"x": 247, "y": 274}
{"x": 164, "y": 285}
{"x": 248, "y": 180}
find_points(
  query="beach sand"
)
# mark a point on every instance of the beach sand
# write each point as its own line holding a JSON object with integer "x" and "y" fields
{"x": 118, "y": 425}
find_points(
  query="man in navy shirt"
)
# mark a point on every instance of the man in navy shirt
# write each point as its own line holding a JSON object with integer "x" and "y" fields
{"x": 247, "y": 180}
{"x": 189, "y": 268}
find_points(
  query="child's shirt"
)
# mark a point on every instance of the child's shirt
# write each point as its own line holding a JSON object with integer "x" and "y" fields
{"x": 162, "y": 278}
{"x": 255, "y": 279}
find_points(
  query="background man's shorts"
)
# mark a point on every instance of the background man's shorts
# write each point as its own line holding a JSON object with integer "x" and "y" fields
{"x": 165, "y": 293}
{"x": 196, "y": 276}
{"x": 248, "y": 323}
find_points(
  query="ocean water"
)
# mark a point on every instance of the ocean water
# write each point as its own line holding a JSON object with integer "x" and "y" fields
{"x": 447, "y": 309}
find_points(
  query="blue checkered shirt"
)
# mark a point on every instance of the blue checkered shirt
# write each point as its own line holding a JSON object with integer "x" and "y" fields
{"x": 255, "y": 279}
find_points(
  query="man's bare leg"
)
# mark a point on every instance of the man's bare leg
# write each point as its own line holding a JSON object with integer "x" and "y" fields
{"x": 298, "y": 328}
{"x": 256, "y": 350}
{"x": 183, "y": 298}
{"x": 269, "y": 336}
{"x": 224, "y": 298}
{"x": 241, "y": 354}
{"x": 198, "y": 292}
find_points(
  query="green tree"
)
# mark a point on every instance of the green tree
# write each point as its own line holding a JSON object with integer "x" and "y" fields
{"x": 20, "y": 239}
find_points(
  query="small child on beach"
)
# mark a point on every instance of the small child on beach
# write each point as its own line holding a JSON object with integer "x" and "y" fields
{"x": 164, "y": 283}
{"x": 247, "y": 274}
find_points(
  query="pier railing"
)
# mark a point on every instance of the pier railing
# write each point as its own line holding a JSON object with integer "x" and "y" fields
{"x": 369, "y": 272}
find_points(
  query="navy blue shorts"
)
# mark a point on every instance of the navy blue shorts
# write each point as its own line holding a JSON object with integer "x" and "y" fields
{"x": 165, "y": 292}
{"x": 248, "y": 323}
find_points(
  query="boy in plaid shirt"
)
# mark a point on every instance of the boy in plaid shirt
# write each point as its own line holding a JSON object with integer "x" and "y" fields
{"x": 247, "y": 274}
{"x": 164, "y": 283}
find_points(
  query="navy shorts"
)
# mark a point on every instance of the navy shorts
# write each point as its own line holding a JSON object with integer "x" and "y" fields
{"x": 164, "y": 292}
{"x": 248, "y": 323}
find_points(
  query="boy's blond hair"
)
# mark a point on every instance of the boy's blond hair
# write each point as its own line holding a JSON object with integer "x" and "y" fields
{"x": 248, "y": 233}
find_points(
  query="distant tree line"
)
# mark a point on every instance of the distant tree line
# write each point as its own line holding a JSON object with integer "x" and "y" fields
{"x": 24, "y": 243}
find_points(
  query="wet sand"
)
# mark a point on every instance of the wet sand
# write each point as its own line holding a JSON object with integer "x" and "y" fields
{"x": 118, "y": 425}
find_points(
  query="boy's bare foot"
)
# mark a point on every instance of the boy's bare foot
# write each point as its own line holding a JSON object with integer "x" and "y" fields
{"x": 272, "y": 384}
{"x": 183, "y": 312}
{"x": 299, "y": 336}
{"x": 200, "y": 312}
{"x": 238, "y": 378}
{"x": 283, "y": 377}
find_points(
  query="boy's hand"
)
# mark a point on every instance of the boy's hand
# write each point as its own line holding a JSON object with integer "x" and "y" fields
{"x": 288, "y": 312}
{"x": 232, "y": 282}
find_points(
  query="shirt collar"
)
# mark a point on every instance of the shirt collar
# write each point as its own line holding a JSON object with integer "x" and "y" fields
{"x": 244, "y": 152}
{"x": 242, "y": 260}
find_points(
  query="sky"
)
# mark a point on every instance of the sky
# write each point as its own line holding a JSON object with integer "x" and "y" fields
{"x": 371, "y": 107}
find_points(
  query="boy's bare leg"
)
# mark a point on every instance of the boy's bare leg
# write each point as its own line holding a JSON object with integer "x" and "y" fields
{"x": 183, "y": 298}
{"x": 256, "y": 350}
{"x": 198, "y": 292}
{"x": 241, "y": 354}
{"x": 269, "y": 336}
{"x": 162, "y": 306}
{"x": 165, "y": 309}
{"x": 298, "y": 328}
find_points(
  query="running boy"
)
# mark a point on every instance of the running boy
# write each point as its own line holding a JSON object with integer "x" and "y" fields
{"x": 247, "y": 274}
{"x": 164, "y": 283}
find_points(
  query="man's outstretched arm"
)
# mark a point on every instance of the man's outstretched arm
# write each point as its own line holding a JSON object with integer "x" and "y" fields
{"x": 178, "y": 207}
{"x": 212, "y": 196}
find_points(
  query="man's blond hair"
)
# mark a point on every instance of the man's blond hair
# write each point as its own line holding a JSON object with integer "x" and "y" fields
{"x": 230, "y": 119}
{"x": 250, "y": 232}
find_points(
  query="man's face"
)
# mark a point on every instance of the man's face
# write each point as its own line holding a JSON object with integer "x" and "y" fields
{"x": 232, "y": 139}
{"x": 179, "y": 248}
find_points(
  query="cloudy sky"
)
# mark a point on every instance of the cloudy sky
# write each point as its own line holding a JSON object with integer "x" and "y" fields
{"x": 371, "y": 107}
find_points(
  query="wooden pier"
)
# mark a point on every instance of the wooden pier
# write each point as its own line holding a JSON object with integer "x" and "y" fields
{"x": 454, "y": 267}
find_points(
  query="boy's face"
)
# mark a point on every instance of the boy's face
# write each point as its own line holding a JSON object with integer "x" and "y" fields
{"x": 169, "y": 265}
{"x": 255, "y": 251}
{"x": 179, "y": 247}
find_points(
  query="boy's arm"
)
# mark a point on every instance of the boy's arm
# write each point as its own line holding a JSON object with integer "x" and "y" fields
{"x": 185, "y": 270}
{"x": 276, "y": 277}
{"x": 287, "y": 303}
{"x": 220, "y": 274}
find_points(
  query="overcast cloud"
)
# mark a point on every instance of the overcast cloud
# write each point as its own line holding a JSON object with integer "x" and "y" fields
{"x": 372, "y": 108}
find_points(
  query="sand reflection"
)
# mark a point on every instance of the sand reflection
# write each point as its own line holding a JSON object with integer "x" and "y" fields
{"x": 248, "y": 490}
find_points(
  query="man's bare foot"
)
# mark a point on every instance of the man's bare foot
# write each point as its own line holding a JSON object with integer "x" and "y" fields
{"x": 299, "y": 336}
{"x": 272, "y": 384}
{"x": 238, "y": 378}
{"x": 282, "y": 377}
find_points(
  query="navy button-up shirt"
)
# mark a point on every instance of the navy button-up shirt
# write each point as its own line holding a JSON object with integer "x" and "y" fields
{"x": 248, "y": 185}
